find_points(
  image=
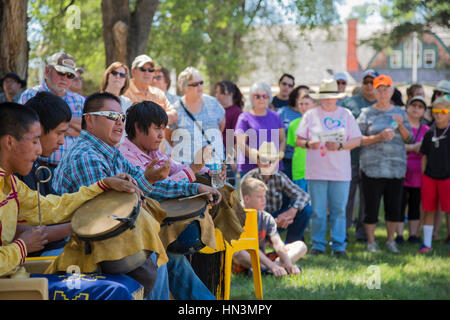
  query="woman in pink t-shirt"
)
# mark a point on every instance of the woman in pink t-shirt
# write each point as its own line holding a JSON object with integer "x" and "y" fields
{"x": 415, "y": 111}
{"x": 328, "y": 133}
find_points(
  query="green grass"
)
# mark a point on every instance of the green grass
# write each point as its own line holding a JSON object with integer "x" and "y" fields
{"x": 405, "y": 275}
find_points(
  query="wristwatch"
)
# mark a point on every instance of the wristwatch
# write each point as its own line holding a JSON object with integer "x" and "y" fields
{"x": 307, "y": 144}
{"x": 341, "y": 147}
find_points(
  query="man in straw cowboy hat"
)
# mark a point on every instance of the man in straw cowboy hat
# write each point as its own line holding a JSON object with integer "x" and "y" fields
{"x": 296, "y": 216}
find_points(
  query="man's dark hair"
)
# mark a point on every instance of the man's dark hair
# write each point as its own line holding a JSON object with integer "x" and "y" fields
{"x": 16, "y": 119}
{"x": 95, "y": 102}
{"x": 51, "y": 109}
{"x": 286, "y": 75}
{"x": 143, "y": 114}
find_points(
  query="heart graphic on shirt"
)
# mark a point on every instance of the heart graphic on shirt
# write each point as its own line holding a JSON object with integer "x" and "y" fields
{"x": 331, "y": 124}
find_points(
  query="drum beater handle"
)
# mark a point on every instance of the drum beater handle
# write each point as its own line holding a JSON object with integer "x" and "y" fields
{"x": 38, "y": 182}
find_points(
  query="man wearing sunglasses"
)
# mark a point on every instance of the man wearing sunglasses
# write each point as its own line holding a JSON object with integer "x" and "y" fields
{"x": 361, "y": 100}
{"x": 141, "y": 89}
{"x": 59, "y": 75}
{"x": 286, "y": 84}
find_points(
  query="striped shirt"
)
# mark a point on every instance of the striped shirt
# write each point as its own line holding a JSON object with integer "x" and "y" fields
{"x": 90, "y": 159}
{"x": 75, "y": 102}
{"x": 277, "y": 185}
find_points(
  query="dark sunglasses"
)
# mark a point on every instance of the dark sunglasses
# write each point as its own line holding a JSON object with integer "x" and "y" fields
{"x": 195, "y": 84}
{"x": 117, "y": 73}
{"x": 110, "y": 115}
{"x": 368, "y": 82}
{"x": 147, "y": 69}
{"x": 287, "y": 84}
{"x": 68, "y": 75}
{"x": 261, "y": 96}
{"x": 341, "y": 82}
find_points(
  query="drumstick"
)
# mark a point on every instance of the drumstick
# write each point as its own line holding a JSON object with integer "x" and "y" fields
{"x": 38, "y": 181}
{"x": 195, "y": 196}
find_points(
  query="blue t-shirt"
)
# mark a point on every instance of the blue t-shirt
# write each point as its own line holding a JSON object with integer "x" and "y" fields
{"x": 287, "y": 115}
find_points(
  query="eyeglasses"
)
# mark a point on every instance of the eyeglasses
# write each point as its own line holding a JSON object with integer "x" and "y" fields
{"x": 261, "y": 96}
{"x": 110, "y": 115}
{"x": 341, "y": 82}
{"x": 147, "y": 69}
{"x": 287, "y": 84}
{"x": 68, "y": 75}
{"x": 436, "y": 111}
{"x": 366, "y": 82}
{"x": 117, "y": 73}
{"x": 195, "y": 84}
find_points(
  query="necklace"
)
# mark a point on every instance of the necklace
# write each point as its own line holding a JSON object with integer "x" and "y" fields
{"x": 436, "y": 139}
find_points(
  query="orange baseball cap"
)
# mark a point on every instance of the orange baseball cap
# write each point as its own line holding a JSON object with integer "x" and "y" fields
{"x": 382, "y": 80}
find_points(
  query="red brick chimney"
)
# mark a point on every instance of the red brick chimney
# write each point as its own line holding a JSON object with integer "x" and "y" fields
{"x": 352, "y": 58}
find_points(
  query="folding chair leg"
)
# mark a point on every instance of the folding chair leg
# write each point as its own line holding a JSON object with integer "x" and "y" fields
{"x": 257, "y": 281}
{"x": 228, "y": 265}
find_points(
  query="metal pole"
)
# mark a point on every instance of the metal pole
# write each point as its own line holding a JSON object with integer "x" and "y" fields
{"x": 414, "y": 58}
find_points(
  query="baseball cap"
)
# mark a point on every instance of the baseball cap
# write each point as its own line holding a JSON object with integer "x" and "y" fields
{"x": 139, "y": 61}
{"x": 382, "y": 80}
{"x": 418, "y": 98}
{"x": 340, "y": 76}
{"x": 62, "y": 62}
{"x": 370, "y": 73}
{"x": 444, "y": 86}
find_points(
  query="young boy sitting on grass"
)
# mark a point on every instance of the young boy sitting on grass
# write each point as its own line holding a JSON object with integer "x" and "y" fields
{"x": 436, "y": 169}
{"x": 282, "y": 261}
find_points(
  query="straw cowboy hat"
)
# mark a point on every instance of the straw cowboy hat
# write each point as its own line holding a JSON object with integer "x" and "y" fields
{"x": 328, "y": 90}
{"x": 268, "y": 152}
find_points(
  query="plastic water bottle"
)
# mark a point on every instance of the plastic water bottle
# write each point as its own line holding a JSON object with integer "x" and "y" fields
{"x": 215, "y": 169}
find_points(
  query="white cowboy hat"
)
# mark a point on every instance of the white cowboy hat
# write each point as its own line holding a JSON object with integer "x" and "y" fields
{"x": 268, "y": 151}
{"x": 328, "y": 90}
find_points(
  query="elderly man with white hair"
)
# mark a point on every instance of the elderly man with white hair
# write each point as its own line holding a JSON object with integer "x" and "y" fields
{"x": 59, "y": 75}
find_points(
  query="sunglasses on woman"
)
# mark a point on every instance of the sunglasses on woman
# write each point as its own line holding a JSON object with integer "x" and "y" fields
{"x": 195, "y": 84}
{"x": 261, "y": 96}
{"x": 436, "y": 111}
{"x": 110, "y": 115}
{"x": 117, "y": 73}
{"x": 68, "y": 75}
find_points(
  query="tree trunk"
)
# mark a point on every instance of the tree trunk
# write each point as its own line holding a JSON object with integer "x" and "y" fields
{"x": 126, "y": 33}
{"x": 13, "y": 37}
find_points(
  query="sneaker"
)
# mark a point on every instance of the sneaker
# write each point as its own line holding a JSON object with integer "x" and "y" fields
{"x": 399, "y": 240}
{"x": 392, "y": 247}
{"x": 340, "y": 254}
{"x": 414, "y": 239}
{"x": 315, "y": 252}
{"x": 425, "y": 249}
{"x": 372, "y": 247}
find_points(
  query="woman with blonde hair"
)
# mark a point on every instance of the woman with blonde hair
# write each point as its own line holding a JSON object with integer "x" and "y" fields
{"x": 116, "y": 80}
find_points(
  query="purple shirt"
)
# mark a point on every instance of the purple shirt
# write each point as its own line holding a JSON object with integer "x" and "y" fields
{"x": 232, "y": 114}
{"x": 413, "y": 176}
{"x": 258, "y": 129}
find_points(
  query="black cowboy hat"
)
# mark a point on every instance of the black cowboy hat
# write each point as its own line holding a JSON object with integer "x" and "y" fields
{"x": 23, "y": 83}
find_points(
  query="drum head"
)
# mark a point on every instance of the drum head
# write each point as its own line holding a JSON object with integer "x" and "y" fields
{"x": 91, "y": 219}
{"x": 175, "y": 208}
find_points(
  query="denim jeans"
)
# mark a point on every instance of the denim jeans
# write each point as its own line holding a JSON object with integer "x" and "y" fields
{"x": 297, "y": 228}
{"x": 160, "y": 290}
{"x": 302, "y": 184}
{"x": 333, "y": 195}
{"x": 184, "y": 282}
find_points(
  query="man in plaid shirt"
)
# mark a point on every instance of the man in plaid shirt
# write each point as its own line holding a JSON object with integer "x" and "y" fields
{"x": 295, "y": 218}
{"x": 59, "y": 75}
{"x": 94, "y": 154}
